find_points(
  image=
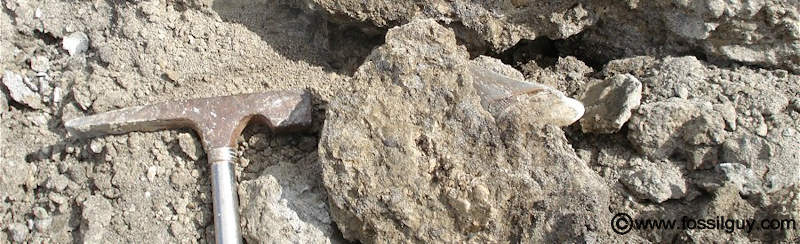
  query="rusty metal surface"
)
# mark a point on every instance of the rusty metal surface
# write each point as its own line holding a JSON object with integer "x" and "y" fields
{"x": 218, "y": 120}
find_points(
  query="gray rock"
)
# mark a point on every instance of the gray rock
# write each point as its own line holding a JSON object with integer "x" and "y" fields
{"x": 654, "y": 128}
{"x": 569, "y": 74}
{"x": 190, "y": 146}
{"x": 17, "y": 174}
{"x": 410, "y": 155}
{"x": 753, "y": 32}
{"x": 776, "y": 163}
{"x": 42, "y": 220}
{"x": 662, "y": 128}
{"x": 609, "y": 103}
{"x": 58, "y": 182}
{"x": 19, "y": 232}
{"x": 268, "y": 215}
{"x": 96, "y": 216}
{"x": 655, "y": 181}
{"x": 21, "y": 92}
{"x": 742, "y": 178}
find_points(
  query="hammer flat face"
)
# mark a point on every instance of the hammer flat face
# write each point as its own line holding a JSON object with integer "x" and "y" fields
{"x": 219, "y": 120}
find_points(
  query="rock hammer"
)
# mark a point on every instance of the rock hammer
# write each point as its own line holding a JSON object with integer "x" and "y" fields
{"x": 219, "y": 122}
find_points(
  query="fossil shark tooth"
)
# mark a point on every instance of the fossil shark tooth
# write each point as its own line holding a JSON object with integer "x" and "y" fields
{"x": 503, "y": 96}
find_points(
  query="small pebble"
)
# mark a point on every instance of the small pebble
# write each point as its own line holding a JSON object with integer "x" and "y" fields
{"x": 190, "y": 146}
{"x": 96, "y": 146}
{"x": 75, "y": 43}
{"x": 152, "y": 172}
{"x": 40, "y": 64}
{"x": 58, "y": 183}
{"x": 18, "y": 231}
{"x": 761, "y": 130}
{"x": 682, "y": 92}
{"x": 57, "y": 97}
{"x": 21, "y": 92}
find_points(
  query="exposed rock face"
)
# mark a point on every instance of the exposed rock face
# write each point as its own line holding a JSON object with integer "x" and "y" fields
{"x": 411, "y": 155}
{"x": 500, "y": 23}
{"x": 754, "y": 32}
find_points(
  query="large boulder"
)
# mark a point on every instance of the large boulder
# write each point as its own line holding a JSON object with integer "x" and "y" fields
{"x": 410, "y": 155}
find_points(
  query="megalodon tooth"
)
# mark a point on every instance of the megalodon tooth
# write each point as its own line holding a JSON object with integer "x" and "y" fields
{"x": 504, "y": 96}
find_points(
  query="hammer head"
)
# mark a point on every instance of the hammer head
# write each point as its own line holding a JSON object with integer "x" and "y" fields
{"x": 218, "y": 120}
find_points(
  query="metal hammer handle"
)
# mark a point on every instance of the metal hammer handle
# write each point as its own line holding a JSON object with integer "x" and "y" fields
{"x": 226, "y": 201}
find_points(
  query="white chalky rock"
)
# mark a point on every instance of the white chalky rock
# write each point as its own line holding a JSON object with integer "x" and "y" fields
{"x": 20, "y": 92}
{"x": 75, "y": 43}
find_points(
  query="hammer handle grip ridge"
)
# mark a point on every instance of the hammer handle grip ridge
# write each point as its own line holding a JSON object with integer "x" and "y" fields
{"x": 226, "y": 200}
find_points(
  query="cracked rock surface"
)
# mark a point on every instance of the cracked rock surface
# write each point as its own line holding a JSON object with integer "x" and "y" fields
{"x": 427, "y": 164}
{"x": 752, "y": 31}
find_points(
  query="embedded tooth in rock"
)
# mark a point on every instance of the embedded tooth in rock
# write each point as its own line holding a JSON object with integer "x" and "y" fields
{"x": 503, "y": 96}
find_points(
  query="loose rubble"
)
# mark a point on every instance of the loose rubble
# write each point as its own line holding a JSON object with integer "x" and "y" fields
{"x": 97, "y": 214}
{"x": 655, "y": 181}
{"x": 269, "y": 216}
{"x": 21, "y": 92}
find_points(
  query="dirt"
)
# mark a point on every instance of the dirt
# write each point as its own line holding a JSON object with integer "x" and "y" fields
{"x": 702, "y": 123}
